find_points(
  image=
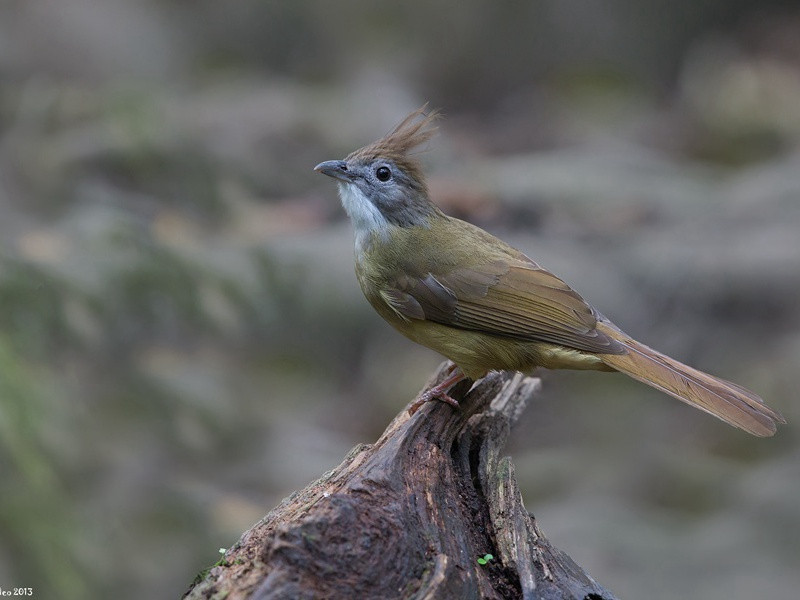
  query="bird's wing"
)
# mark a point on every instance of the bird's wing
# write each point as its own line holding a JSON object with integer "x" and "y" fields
{"x": 507, "y": 297}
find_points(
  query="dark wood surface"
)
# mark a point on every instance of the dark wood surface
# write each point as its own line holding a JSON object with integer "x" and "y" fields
{"x": 409, "y": 516}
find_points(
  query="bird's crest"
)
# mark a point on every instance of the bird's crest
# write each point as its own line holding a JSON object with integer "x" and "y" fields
{"x": 416, "y": 129}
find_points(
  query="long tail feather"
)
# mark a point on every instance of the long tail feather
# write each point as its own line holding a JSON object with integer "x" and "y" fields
{"x": 725, "y": 400}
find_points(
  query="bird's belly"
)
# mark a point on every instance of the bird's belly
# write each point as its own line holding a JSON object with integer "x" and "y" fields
{"x": 478, "y": 353}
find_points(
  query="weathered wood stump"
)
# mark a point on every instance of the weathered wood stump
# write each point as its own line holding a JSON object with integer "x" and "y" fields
{"x": 408, "y": 517}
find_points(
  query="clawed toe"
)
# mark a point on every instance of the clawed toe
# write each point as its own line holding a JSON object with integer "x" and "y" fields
{"x": 439, "y": 392}
{"x": 428, "y": 397}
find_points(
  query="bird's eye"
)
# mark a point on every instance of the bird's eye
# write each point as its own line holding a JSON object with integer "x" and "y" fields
{"x": 383, "y": 173}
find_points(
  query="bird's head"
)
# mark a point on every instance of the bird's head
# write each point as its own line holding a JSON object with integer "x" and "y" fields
{"x": 381, "y": 185}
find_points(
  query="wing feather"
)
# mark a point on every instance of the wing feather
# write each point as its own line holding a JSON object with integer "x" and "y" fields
{"x": 509, "y": 298}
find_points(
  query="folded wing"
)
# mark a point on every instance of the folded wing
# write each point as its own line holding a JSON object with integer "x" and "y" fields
{"x": 509, "y": 298}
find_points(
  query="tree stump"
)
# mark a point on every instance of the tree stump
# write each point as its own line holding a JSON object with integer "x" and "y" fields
{"x": 409, "y": 516}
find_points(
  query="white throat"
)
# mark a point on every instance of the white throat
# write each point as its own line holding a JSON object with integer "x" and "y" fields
{"x": 366, "y": 217}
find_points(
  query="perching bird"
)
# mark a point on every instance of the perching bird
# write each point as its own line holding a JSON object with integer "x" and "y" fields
{"x": 450, "y": 286}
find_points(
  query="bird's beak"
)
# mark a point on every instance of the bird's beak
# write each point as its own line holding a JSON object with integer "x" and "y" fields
{"x": 336, "y": 169}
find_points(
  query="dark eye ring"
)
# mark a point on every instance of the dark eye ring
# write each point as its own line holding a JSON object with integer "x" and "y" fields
{"x": 383, "y": 173}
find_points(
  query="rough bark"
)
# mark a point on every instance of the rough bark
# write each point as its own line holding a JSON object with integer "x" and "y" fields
{"x": 408, "y": 517}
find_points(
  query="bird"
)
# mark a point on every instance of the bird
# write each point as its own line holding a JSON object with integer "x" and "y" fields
{"x": 451, "y": 286}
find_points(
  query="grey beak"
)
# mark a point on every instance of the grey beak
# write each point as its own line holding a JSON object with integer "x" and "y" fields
{"x": 336, "y": 169}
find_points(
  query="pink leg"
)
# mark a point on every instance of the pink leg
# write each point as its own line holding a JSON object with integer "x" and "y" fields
{"x": 439, "y": 392}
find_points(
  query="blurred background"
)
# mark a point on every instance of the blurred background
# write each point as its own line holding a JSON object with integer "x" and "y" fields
{"x": 183, "y": 341}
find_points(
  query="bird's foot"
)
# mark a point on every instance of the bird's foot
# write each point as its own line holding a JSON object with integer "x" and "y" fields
{"x": 439, "y": 392}
{"x": 429, "y": 397}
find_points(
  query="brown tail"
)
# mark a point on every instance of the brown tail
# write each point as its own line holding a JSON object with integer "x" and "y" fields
{"x": 725, "y": 400}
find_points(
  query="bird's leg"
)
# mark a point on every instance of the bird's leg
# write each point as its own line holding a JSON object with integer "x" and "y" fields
{"x": 439, "y": 392}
